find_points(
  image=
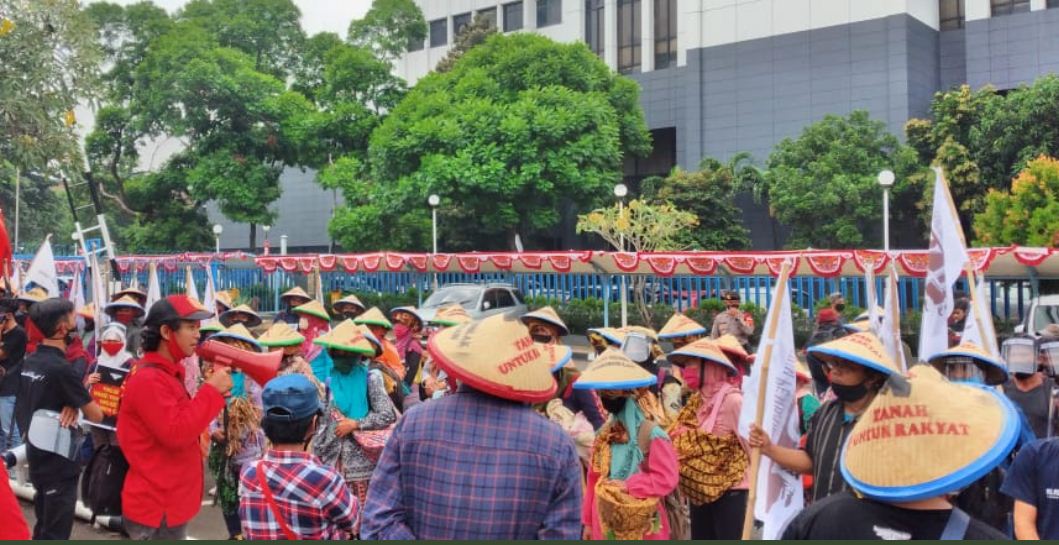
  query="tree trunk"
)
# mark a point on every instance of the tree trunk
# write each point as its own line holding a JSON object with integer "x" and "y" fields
{"x": 253, "y": 237}
{"x": 640, "y": 296}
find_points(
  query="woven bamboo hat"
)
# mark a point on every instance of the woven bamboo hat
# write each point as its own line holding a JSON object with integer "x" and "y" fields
{"x": 281, "y": 334}
{"x": 228, "y": 315}
{"x": 376, "y": 345}
{"x": 347, "y": 337}
{"x": 411, "y": 311}
{"x": 373, "y": 316}
{"x": 34, "y": 295}
{"x": 223, "y": 298}
{"x": 137, "y": 295}
{"x": 547, "y": 315}
{"x": 925, "y": 436}
{"x": 860, "y": 348}
{"x": 704, "y": 349}
{"x": 996, "y": 372}
{"x": 496, "y": 355}
{"x": 859, "y": 326}
{"x": 680, "y": 325}
{"x": 313, "y": 308}
{"x": 124, "y": 302}
{"x": 211, "y": 326}
{"x": 348, "y": 300}
{"x": 732, "y": 348}
{"x": 296, "y": 291}
{"x": 801, "y": 370}
{"x": 613, "y": 370}
{"x": 451, "y": 315}
{"x": 238, "y": 332}
{"x": 612, "y": 335}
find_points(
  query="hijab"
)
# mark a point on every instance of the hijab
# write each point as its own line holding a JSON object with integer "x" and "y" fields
{"x": 114, "y": 331}
{"x": 406, "y": 341}
{"x": 625, "y": 458}
{"x": 349, "y": 386}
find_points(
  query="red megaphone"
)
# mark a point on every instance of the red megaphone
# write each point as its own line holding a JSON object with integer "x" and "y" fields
{"x": 259, "y": 367}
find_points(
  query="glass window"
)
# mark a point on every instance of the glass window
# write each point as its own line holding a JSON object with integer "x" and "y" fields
{"x": 594, "y": 26}
{"x": 951, "y": 12}
{"x": 665, "y": 33}
{"x": 1053, "y": 4}
{"x": 415, "y": 45}
{"x": 549, "y": 12}
{"x": 459, "y": 22}
{"x": 439, "y": 32}
{"x": 1007, "y": 7}
{"x": 512, "y": 16}
{"x": 504, "y": 299}
{"x": 628, "y": 36}
{"x": 489, "y": 14}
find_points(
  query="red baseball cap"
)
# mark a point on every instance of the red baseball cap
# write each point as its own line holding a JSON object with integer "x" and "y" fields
{"x": 176, "y": 307}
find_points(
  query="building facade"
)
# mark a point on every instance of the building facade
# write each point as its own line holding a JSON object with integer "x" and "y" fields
{"x": 719, "y": 77}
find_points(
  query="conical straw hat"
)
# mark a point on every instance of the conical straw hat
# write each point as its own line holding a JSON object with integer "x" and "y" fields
{"x": 613, "y": 370}
{"x": 136, "y": 293}
{"x": 645, "y": 331}
{"x": 860, "y": 348}
{"x": 801, "y": 370}
{"x": 211, "y": 326}
{"x": 281, "y": 334}
{"x": 732, "y": 348}
{"x": 705, "y": 349}
{"x": 373, "y": 316}
{"x": 313, "y": 308}
{"x": 223, "y": 298}
{"x": 497, "y": 356}
{"x": 238, "y": 332}
{"x": 375, "y": 343}
{"x": 347, "y": 337}
{"x": 547, "y": 315}
{"x": 125, "y": 302}
{"x": 349, "y": 300}
{"x": 925, "y": 436}
{"x": 996, "y": 372}
{"x": 612, "y": 335}
{"x": 296, "y": 291}
{"x": 411, "y": 311}
{"x": 255, "y": 319}
{"x": 680, "y": 325}
{"x": 450, "y": 316}
{"x": 859, "y": 326}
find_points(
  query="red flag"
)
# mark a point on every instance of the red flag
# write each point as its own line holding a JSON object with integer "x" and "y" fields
{"x": 5, "y": 242}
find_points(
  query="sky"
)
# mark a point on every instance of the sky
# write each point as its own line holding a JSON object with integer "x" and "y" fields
{"x": 317, "y": 15}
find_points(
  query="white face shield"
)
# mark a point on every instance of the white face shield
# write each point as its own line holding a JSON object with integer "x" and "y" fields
{"x": 1020, "y": 355}
{"x": 637, "y": 347}
{"x": 1048, "y": 354}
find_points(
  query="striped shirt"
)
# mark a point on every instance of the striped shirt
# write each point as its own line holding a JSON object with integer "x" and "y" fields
{"x": 828, "y": 430}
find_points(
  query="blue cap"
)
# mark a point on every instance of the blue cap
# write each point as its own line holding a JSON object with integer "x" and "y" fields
{"x": 290, "y": 398}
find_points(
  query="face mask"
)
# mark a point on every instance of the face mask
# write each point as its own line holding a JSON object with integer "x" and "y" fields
{"x": 344, "y": 364}
{"x": 1023, "y": 376}
{"x": 400, "y": 330}
{"x": 969, "y": 380}
{"x": 112, "y": 347}
{"x": 543, "y": 339}
{"x": 693, "y": 376}
{"x": 849, "y": 394}
{"x": 350, "y": 314}
{"x": 613, "y": 405}
{"x": 840, "y": 307}
{"x": 175, "y": 350}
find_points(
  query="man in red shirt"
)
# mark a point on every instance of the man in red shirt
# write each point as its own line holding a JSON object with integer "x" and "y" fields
{"x": 159, "y": 424}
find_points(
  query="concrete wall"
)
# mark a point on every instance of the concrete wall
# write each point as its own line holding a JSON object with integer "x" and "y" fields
{"x": 1011, "y": 50}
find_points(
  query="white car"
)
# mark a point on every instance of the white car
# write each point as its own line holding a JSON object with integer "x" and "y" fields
{"x": 1043, "y": 310}
{"x": 479, "y": 300}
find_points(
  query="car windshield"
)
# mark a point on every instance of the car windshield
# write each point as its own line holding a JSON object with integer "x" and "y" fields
{"x": 464, "y": 296}
{"x": 1044, "y": 315}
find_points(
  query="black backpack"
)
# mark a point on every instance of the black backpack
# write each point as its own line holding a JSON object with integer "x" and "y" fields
{"x": 103, "y": 480}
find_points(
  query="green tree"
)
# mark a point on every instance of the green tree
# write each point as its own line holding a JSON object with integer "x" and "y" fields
{"x": 823, "y": 186}
{"x": 42, "y": 210}
{"x": 517, "y": 129}
{"x": 269, "y": 31}
{"x": 1028, "y": 214}
{"x": 709, "y": 193}
{"x": 639, "y": 227}
{"x": 388, "y": 27}
{"x": 474, "y": 34}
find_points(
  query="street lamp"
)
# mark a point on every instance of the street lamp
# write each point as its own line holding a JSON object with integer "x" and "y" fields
{"x": 266, "y": 245}
{"x": 433, "y": 200}
{"x": 620, "y": 191}
{"x": 886, "y": 180}
{"x": 217, "y": 230}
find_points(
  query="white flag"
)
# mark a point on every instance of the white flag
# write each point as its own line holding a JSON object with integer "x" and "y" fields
{"x": 978, "y": 314}
{"x": 16, "y": 274}
{"x": 42, "y": 270}
{"x": 946, "y": 258}
{"x": 77, "y": 297}
{"x": 210, "y": 297}
{"x": 189, "y": 284}
{"x": 779, "y": 492}
{"x": 890, "y": 329}
{"x": 874, "y": 313}
{"x": 154, "y": 290}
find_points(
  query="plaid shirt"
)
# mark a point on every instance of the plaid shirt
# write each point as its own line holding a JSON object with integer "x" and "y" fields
{"x": 313, "y": 497}
{"x": 473, "y": 466}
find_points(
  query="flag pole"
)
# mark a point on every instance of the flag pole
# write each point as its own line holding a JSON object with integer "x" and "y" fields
{"x": 762, "y": 391}
{"x": 982, "y": 331}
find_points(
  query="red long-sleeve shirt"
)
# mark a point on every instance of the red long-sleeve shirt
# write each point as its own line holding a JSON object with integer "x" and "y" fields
{"x": 12, "y": 523}
{"x": 158, "y": 430}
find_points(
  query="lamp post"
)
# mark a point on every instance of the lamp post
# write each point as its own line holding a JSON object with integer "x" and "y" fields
{"x": 217, "y": 230}
{"x": 886, "y": 180}
{"x": 620, "y": 191}
{"x": 266, "y": 245}
{"x": 434, "y": 200}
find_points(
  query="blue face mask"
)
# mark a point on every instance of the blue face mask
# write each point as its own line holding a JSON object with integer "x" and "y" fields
{"x": 969, "y": 380}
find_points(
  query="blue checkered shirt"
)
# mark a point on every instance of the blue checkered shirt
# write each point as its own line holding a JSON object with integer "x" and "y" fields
{"x": 473, "y": 466}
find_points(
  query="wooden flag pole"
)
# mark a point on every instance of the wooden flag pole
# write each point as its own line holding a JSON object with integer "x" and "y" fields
{"x": 762, "y": 387}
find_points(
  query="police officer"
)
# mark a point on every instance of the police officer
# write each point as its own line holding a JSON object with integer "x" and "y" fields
{"x": 731, "y": 321}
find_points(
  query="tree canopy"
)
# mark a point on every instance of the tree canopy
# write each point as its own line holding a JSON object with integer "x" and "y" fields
{"x": 1028, "y": 214}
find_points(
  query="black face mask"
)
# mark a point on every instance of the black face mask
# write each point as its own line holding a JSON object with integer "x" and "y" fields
{"x": 1023, "y": 376}
{"x": 840, "y": 307}
{"x": 849, "y": 394}
{"x": 613, "y": 405}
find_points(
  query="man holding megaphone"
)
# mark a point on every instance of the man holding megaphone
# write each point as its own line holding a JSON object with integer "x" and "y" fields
{"x": 159, "y": 424}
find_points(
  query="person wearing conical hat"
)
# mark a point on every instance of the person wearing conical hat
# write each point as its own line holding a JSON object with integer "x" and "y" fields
{"x": 290, "y": 300}
{"x": 681, "y": 330}
{"x": 633, "y": 464}
{"x": 313, "y": 321}
{"x": 222, "y": 301}
{"x": 349, "y": 307}
{"x": 923, "y": 439}
{"x": 357, "y": 402}
{"x": 380, "y": 326}
{"x": 711, "y": 417}
{"x": 828, "y": 327}
{"x": 508, "y": 473}
{"x": 237, "y": 436}
{"x": 857, "y": 366}
{"x": 433, "y": 381}
{"x": 452, "y": 315}
{"x": 281, "y": 337}
{"x": 603, "y": 338}
{"x": 241, "y": 314}
{"x": 407, "y": 330}
{"x": 127, "y": 311}
{"x": 732, "y": 321}
{"x": 136, "y": 294}
{"x": 967, "y": 362}
{"x": 546, "y": 327}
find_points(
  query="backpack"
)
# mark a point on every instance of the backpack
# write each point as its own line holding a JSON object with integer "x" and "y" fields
{"x": 103, "y": 480}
